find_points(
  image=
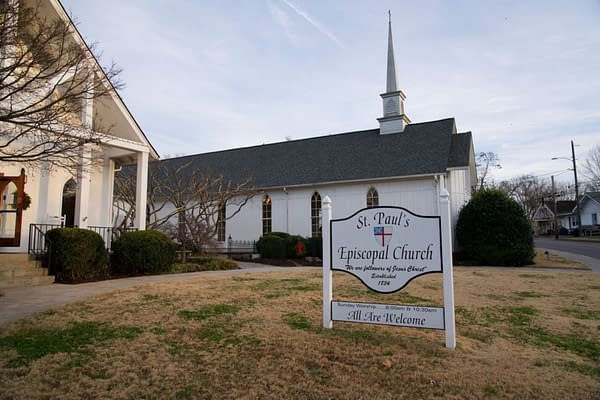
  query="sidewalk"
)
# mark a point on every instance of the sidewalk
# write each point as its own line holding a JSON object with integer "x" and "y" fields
{"x": 20, "y": 302}
{"x": 592, "y": 239}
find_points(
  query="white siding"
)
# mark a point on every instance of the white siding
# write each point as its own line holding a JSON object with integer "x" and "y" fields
{"x": 291, "y": 207}
{"x": 459, "y": 187}
{"x": 589, "y": 207}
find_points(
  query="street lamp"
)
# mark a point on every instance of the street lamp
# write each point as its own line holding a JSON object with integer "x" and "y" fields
{"x": 576, "y": 184}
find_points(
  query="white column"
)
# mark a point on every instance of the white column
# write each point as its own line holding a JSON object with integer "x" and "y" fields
{"x": 82, "y": 200}
{"x": 448, "y": 272}
{"x": 327, "y": 274}
{"x": 141, "y": 190}
{"x": 108, "y": 180}
{"x": 42, "y": 194}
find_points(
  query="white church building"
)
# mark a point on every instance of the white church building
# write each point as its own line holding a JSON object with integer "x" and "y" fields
{"x": 398, "y": 164}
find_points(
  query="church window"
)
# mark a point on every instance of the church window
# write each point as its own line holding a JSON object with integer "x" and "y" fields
{"x": 267, "y": 223}
{"x": 221, "y": 223}
{"x": 372, "y": 198}
{"x": 315, "y": 214}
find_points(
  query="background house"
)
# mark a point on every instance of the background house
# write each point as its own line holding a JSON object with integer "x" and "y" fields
{"x": 545, "y": 217}
{"x": 590, "y": 211}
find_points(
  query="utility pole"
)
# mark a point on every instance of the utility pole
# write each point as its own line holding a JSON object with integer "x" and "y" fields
{"x": 576, "y": 189}
{"x": 554, "y": 209}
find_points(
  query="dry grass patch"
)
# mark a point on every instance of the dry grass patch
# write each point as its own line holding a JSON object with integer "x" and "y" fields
{"x": 521, "y": 334}
{"x": 547, "y": 259}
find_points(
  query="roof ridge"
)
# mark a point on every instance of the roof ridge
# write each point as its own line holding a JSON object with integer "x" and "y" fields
{"x": 363, "y": 131}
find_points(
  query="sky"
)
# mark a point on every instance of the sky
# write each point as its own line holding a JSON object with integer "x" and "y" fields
{"x": 202, "y": 76}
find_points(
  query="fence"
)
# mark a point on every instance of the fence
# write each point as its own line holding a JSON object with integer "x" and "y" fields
{"x": 241, "y": 246}
{"x": 234, "y": 247}
{"x": 37, "y": 235}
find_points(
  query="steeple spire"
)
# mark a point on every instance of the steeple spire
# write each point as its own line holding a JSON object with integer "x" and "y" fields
{"x": 391, "y": 83}
{"x": 394, "y": 120}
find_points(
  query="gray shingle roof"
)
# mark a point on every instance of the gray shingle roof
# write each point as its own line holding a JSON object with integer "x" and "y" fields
{"x": 563, "y": 207}
{"x": 592, "y": 195}
{"x": 423, "y": 148}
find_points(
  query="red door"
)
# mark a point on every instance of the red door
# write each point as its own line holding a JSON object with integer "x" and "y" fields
{"x": 12, "y": 191}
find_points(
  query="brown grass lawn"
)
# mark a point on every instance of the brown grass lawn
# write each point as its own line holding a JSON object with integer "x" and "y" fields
{"x": 521, "y": 335}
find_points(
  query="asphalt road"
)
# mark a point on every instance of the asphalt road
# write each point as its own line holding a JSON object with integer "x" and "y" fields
{"x": 585, "y": 252}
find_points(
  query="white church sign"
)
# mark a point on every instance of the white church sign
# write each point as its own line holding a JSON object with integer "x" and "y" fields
{"x": 386, "y": 248}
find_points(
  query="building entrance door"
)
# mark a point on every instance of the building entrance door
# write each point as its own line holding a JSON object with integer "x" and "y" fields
{"x": 12, "y": 195}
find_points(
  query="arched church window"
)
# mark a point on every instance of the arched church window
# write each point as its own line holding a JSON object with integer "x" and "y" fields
{"x": 221, "y": 223}
{"x": 372, "y": 198}
{"x": 315, "y": 214}
{"x": 267, "y": 224}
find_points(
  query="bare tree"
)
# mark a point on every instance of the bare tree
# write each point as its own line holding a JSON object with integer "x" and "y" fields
{"x": 529, "y": 191}
{"x": 485, "y": 162}
{"x": 185, "y": 202}
{"x": 591, "y": 169}
{"x": 47, "y": 76}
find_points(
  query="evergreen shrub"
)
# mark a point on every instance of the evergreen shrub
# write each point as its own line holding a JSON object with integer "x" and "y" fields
{"x": 272, "y": 245}
{"x": 492, "y": 229}
{"x": 204, "y": 263}
{"x": 76, "y": 255}
{"x": 281, "y": 245}
{"x": 143, "y": 252}
{"x": 291, "y": 246}
{"x": 314, "y": 247}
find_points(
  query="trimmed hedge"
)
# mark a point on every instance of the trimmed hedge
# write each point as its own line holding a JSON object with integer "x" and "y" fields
{"x": 204, "y": 263}
{"x": 492, "y": 229}
{"x": 314, "y": 247}
{"x": 76, "y": 255}
{"x": 143, "y": 252}
{"x": 280, "y": 245}
{"x": 271, "y": 246}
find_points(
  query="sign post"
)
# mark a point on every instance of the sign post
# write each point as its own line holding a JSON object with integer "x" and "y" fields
{"x": 327, "y": 274}
{"x": 386, "y": 248}
{"x": 448, "y": 273}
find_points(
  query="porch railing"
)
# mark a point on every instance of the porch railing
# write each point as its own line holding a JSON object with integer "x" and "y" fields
{"x": 109, "y": 233}
{"x": 37, "y": 235}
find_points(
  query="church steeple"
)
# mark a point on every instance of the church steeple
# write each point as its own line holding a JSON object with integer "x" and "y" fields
{"x": 391, "y": 83}
{"x": 394, "y": 120}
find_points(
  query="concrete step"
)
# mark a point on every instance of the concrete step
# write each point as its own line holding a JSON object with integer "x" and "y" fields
{"x": 22, "y": 270}
{"x": 26, "y": 264}
{"x": 27, "y": 281}
{"x": 15, "y": 257}
{"x": 8, "y": 260}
